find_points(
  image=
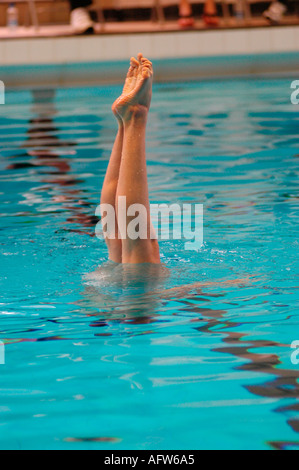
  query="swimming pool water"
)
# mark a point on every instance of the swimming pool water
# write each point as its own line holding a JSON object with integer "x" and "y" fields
{"x": 96, "y": 366}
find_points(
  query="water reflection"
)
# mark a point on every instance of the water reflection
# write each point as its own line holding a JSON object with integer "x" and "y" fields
{"x": 147, "y": 305}
{"x": 135, "y": 296}
{"x": 284, "y": 384}
{"x": 43, "y": 154}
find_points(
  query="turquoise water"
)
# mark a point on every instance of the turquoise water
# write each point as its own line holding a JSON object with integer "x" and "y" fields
{"x": 99, "y": 365}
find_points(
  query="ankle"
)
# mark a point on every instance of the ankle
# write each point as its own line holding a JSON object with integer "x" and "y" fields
{"x": 136, "y": 115}
{"x": 120, "y": 125}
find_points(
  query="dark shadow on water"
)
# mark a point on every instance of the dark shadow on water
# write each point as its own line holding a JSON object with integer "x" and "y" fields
{"x": 283, "y": 383}
{"x": 43, "y": 149}
{"x": 139, "y": 301}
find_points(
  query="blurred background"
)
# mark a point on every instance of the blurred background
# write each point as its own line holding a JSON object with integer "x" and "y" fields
{"x": 29, "y": 17}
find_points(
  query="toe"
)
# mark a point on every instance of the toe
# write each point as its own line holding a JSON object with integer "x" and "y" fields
{"x": 144, "y": 60}
{"x": 147, "y": 63}
{"x": 134, "y": 62}
{"x": 147, "y": 68}
{"x": 146, "y": 73}
{"x": 131, "y": 71}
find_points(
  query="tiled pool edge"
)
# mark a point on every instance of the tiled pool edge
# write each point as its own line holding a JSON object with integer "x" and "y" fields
{"x": 177, "y": 56}
{"x": 157, "y": 45}
{"x": 175, "y": 69}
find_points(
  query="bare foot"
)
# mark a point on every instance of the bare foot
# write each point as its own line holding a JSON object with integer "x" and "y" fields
{"x": 130, "y": 83}
{"x": 137, "y": 93}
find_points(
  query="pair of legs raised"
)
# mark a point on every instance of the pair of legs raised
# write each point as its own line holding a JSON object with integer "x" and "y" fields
{"x": 126, "y": 174}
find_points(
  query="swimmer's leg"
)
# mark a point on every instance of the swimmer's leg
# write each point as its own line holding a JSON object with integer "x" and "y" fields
{"x": 109, "y": 192}
{"x": 133, "y": 107}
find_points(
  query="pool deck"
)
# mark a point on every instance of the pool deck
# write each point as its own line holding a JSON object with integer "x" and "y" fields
{"x": 46, "y": 59}
{"x": 131, "y": 27}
